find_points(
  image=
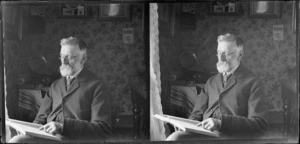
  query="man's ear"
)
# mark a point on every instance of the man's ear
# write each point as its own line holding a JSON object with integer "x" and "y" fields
{"x": 241, "y": 55}
{"x": 84, "y": 58}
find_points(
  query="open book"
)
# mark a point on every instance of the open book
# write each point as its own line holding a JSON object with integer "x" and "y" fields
{"x": 31, "y": 129}
{"x": 186, "y": 125}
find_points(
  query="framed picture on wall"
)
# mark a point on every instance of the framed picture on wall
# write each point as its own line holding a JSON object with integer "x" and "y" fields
{"x": 12, "y": 22}
{"x": 224, "y": 8}
{"x": 75, "y": 11}
{"x": 115, "y": 11}
{"x": 265, "y": 9}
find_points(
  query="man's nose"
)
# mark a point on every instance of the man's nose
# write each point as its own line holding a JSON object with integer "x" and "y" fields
{"x": 65, "y": 60}
{"x": 223, "y": 57}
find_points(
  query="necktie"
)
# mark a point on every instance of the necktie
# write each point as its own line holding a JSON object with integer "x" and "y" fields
{"x": 225, "y": 78}
{"x": 68, "y": 82}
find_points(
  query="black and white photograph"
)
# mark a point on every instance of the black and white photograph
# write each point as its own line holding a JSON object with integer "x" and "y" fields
{"x": 72, "y": 10}
{"x": 115, "y": 11}
{"x": 223, "y": 77}
{"x": 224, "y": 7}
{"x": 265, "y": 9}
{"x": 141, "y": 71}
{"x": 73, "y": 77}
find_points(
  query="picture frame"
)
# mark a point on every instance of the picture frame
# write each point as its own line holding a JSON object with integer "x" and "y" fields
{"x": 224, "y": 8}
{"x": 265, "y": 9}
{"x": 115, "y": 12}
{"x": 75, "y": 11}
{"x": 12, "y": 22}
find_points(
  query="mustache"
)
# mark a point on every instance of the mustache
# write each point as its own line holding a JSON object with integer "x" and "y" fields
{"x": 65, "y": 66}
{"x": 223, "y": 62}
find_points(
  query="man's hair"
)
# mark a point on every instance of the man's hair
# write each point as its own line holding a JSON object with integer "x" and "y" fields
{"x": 233, "y": 39}
{"x": 75, "y": 42}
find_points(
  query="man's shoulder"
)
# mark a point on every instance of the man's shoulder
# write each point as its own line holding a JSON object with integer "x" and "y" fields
{"x": 247, "y": 77}
{"x": 213, "y": 78}
{"x": 247, "y": 73}
{"x": 87, "y": 74}
{"x": 57, "y": 81}
{"x": 90, "y": 77}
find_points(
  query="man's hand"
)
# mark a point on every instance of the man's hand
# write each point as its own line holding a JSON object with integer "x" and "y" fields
{"x": 210, "y": 124}
{"x": 52, "y": 127}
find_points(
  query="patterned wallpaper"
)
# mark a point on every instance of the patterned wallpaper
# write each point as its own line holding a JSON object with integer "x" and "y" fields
{"x": 113, "y": 61}
{"x": 12, "y": 65}
{"x": 273, "y": 61}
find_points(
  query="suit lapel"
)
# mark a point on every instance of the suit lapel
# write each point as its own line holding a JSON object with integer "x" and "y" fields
{"x": 73, "y": 87}
{"x": 233, "y": 79}
{"x": 231, "y": 82}
{"x": 76, "y": 82}
{"x": 219, "y": 82}
{"x": 62, "y": 86}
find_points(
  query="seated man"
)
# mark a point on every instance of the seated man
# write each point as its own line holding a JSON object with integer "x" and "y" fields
{"x": 232, "y": 102}
{"x": 76, "y": 106}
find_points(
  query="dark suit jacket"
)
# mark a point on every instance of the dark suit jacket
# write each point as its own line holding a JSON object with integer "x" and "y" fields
{"x": 242, "y": 104}
{"x": 85, "y": 106}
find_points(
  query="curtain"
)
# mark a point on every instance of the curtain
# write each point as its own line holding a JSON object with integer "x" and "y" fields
{"x": 157, "y": 130}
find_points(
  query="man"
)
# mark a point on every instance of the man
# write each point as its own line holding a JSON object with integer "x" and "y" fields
{"x": 232, "y": 102}
{"x": 76, "y": 106}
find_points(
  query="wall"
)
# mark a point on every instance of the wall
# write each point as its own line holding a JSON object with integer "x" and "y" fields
{"x": 169, "y": 51}
{"x": 11, "y": 67}
{"x": 113, "y": 61}
{"x": 273, "y": 61}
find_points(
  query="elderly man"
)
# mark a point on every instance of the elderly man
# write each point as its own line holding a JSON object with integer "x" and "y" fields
{"x": 232, "y": 102}
{"x": 76, "y": 106}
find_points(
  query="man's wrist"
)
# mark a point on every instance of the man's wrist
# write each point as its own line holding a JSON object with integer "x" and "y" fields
{"x": 218, "y": 123}
{"x": 60, "y": 126}
{"x": 218, "y": 119}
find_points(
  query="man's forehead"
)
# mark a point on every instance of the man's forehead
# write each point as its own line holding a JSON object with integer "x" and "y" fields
{"x": 226, "y": 46}
{"x": 69, "y": 49}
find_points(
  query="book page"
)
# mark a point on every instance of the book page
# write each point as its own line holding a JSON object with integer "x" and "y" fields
{"x": 186, "y": 125}
{"x": 27, "y": 128}
{"x": 183, "y": 119}
{"x": 24, "y": 123}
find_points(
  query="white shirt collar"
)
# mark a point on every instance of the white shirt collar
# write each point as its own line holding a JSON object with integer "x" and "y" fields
{"x": 75, "y": 75}
{"x": 232, "y": 70}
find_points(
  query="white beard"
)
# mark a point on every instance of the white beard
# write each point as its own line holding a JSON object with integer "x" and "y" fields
{"x": 66, "y": 70}
{"x": 223, "y": 66}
